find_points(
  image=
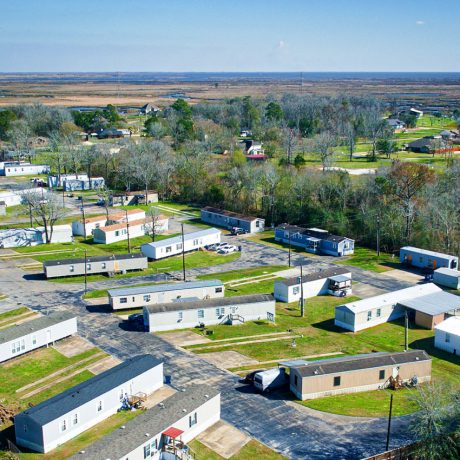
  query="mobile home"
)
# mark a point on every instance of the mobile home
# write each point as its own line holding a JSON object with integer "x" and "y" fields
{"x": 447, "y": 335}
{"x": 18, "y": 237}
{"x": 447, "y": 277}
{"x": 229, "y": 219}
{"x": 17, "y": 168}
{"x": 173, "y": 246}
{"x": 137, "y": 297}
{"x": 421, "y": 258}
{"x": 35, "y": 333}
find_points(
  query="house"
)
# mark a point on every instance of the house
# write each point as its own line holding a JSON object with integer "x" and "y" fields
{"x": 19, "y": 168}
{"x": 245, "y": 133}
{"x": 148, "y": 108}
{"x": 138, "y": 296}
{"x": 173, "y": 246}
{"x": 111, "y": 133}
{"x": 16, "y": 197}
{"x": 447, "y": 335}
{"x": 417, "y": 113}
{"x": 193, "y": 312}
{"x": 162, "y": 431}
{"x": 426, "y": 304}
{"x": 449, "y": 134}
{"x": 58, "y": 180}
{"x": 315, "y": 240}
{"x": 33, "y": 236}
{"x": 352, "y": 374}
{"x": 35, "y": 333}
{"x": 447, "y": 277}
{"x": 253, "y": 150}
{"x": 395, "y": 123}
{"x": 426, "y": 144}
{"x": 51, "y": 423}
{"x": 336, "y": 282}
{"x": 108, "y": 264}
{"x": 422, "y": 258}
{"x": 90, "y": 183}
{"x": 229, "y": 219}
{"x": 133, "y": 198}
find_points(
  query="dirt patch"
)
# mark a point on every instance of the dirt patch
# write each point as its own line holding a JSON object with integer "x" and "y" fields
{"x": 228, "y": 359}
{"x": 364, "y": 290}
{"x": 405, "y": 275}
{"x": 72, "y": 346}
{"x": 184, "y": 338}
{"x": 101, "y": 366}
{"x": 224, "y": 439}
{"x": 158, "y": 396}
{"x": 98, "y": 301}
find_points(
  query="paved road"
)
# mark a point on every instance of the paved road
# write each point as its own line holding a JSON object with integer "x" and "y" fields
{"x": 297, "y": 432}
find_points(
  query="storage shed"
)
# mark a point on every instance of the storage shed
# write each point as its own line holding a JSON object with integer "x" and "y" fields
{"x": 230, "y": 219}
{"x": 422, "y": 258}
{"x": 447, "y": 335}
{"x": 447, "y": 277}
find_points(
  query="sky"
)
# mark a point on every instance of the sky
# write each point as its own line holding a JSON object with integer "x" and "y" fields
{"x": 229, "y": 35}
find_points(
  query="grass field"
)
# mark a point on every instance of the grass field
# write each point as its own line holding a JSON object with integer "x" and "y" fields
{"x": 367, "y": 260}
{"x": 11, "y": 314}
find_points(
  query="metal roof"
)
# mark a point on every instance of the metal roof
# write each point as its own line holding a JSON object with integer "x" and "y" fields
{"x": 448, "y": 272}
{"x": 433, "y": 304}
{"x": 323, "y": 274}
{"x": 163, "y": 287}
{"x": 209, "y": 303}
{"x": 81, "y": 260}
{"x": 390, "y": 298}
{"x": 75, "y": 397}
{"x": 354, "y": 363}
{"x": 178, "y": 239}
{"x": 223, "y": 212}
{"x": 450, "y": 325}
{"x": 428, "y": 253}
{"x": 20, "y": 330}
{"x": 340, "y": 278}
{"x": 120, "y": 442}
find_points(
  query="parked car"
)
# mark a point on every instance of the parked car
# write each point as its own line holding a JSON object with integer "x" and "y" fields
{"x": 237, "y": 231}
{"x": 227, "y": 249}
{"x": 136, "y": 318}
{"x": 270, "y": 379}
{"x": 249, "y": 378}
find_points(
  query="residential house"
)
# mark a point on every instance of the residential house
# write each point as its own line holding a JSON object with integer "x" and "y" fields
{"x": 253, "y": 150}
{"x": 110, "y": 133}
{"x": 19, "y": 168}
{"x": 447, "y": 277}
{"x": 40, "y": 332}
{"x": 449, "y": 134}
{"x": 315, "y": 240}
{"x": 148, "y": 108}
{"x": 173, "y": 246}
{"x": 51, "y": 423}
{"x": 16, "y": 197}
{"x": 119, "y": 232}
{"x": 58, "y": 180}
{"x": 396, "y": 124}
{"x": 188, "y": 313}
{"x": 33, "y": 236}
{"x": 352, "y": 374}
{"x": 107, "y": 264}
{"x": 422, "y": 258}
{"x": 336, "y": 281}
{"x": 447, "y": 335}
{"x": 426, "y": 144}
{"x": 138, "y": 296}
{"x": 230, "y": 219}
{"x": 160, "y": 433}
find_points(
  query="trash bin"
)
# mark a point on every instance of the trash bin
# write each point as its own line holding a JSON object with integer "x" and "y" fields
{"x": 167, "y": 379}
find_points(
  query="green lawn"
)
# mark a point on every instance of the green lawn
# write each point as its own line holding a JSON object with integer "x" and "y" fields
{"x": 367, "y": 259}
{"x": 243, "y": 273}
{"x": 12, "y": 313}
{"x": 268, "y": 237}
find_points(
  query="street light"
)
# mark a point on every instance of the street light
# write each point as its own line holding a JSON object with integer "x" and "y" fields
{"x": 183, "y": 252}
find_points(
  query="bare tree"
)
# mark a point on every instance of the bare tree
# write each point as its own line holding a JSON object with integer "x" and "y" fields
{"x": 21, "y": 137}
{"x": 153, "y": 222}
{"x": 104, "y": 195}
{"x": 374, "y": 126}
{"x": 324, "y": 144}
{"x": 289, "y": 142}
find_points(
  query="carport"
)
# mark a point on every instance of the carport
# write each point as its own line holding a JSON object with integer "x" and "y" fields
{"x": 431, "y": 309}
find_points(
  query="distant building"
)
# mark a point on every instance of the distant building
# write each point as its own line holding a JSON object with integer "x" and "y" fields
{"x": 253, "y": 150}
{"x": 35, "y": 333}
{"x": 51, "y": 423}
{"x": 19, "y": 168}
{"x": 230, "y": 219}
{"x": 109, "y": 264}
{"x": 422, "y": 145}
{"x": 162, "y": 431}
{"x": 148, "y": 108}
{"x": 395, "y": 123}
{"x": 422, "y": 258}
{"x": 351, "y": 374}
{"x": 447, "y": 335}
{"x": 16, "y": 197}
{"x": 447, "y": 277}
{"x": 113, "y": 133}
{"x": 336, "y": 281}
{"x": 449, "y": 134}
{"x": 138, "y": 296}
{"x": 191, "y": 313}
{"x": 133, "y": 198}
{"x": 33, "y": 236}
{"x": 315, "y": 240}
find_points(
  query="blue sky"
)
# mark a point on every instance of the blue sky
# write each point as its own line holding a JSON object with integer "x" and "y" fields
{"x": 229, "y": 35}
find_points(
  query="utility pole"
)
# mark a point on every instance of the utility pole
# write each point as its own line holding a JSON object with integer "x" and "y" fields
{"x": 289, "y": 258}
{"x": 302, "y": 308}
{"x": 406, "y": 331}
{"x": 183, "y": 252}
{"x": 127, "y": 231}
{"x": 86, "y": 272}
{"x": 389, "y": 423}
{"x": 83, "y": 214}
{"x": 378, "y": 235}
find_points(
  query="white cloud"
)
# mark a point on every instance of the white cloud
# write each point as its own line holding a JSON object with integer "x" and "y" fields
{"x": 420, "y": 23}
{"x": 281, "y": 44}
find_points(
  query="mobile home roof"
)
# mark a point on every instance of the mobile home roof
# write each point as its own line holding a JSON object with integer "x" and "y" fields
{"x": 50, "y": 263}
{"x": 187, "y": 237}
{"x": 323, "y": 274}
{"x": 450, "y": 325}
{"x": 428, "y": 253}
{"x": 433, "y": 304}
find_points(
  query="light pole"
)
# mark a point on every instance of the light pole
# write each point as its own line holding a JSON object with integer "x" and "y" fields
{"x": 378, "y": 235}
{"x": 406, "y": 331}
{"x": 127, "y": 231}
{"x": 83, "y": 215}
{"x": 389, "y": 423}
{"x": 183, "y": 252}
{"x": 86, "y": 272}
{"x": 289, "y": 258}
{"x": 302, "y": 307}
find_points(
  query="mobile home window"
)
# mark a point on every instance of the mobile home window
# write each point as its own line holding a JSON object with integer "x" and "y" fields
{"x": 369, "y": 315}
{"x": 337, "y": 381}
{"x": 295, "y": 380}
{"x": 123, "y": 300}
{"x": 168, "y": 249}
{"x": 179, "y": 246}
{"x": 447, "y": 337}
{"x": 88, "y": 266}
{"x": 219, "y": 289}
{"x": 63, "y": 425}
{"x": 34, "y": 340}
{"x": 257, "y": 223}
{"x": 99, "y": 406}
{"x": 220, "y": 311}
{"x": 382, "y": 374}
{"x": 180, "y": 315}
{"x": 379, "y": 311}
{"x": 147, "y": 298}
{"x": 71, "y": 268}
{"x": 195, "y": 242}
{"x": 117, "y": 233}
{"x": 192, "y": 420}
{"x": 147, "y": 451}
{"x": 200, "y": 314}
{"x": 23, "y": 344}
{"x": 104, "y": 265}
{"x": 295, "y": 290}
{"x": 75, "y": 419}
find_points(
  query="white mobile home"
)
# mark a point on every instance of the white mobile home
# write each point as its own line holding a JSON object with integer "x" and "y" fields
{"x": 162, "y": 431}
{"x": 18, "y": 237}
{"x": 53, "y": 422}
{"x": 447, "y": 335}
{"x": 229, "y": 219}
{"x": 17, "y": 168}
{"x": 336, "y": 282}
{"x": 119, "y": 232}
{"x": 30, "y": 335}
{"x": 59, "y": 179}
{"x": 447, "y": 277}
{"x": 421, "y": 258}
{"x": 173, "y": 246}
{"x": 136, "y": 297}
{"x": 192, "y": 313}
{"x": 15, "y": 197}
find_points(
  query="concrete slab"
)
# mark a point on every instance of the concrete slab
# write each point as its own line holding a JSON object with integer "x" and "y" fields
{"x": 160, "y": 395}
{"x": 72, "y": 346}
{"x": 227, "y": 359}
{"x": 365, "y": 291}
{"x": 101, "y": 366}
{"x": 224, "y": 439}
{"x": 405, "y": 275}
{"x": 183, "y": 338}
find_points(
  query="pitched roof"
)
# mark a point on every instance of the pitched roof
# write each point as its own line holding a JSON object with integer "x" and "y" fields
{"x": 81, "y": 260}
{"x": 450, "y": 325}
{"x": 209, "y": 303}
{"x": 423, "y": 142}
{"x": 178, "y": 239}
{"x": 16, "y": 331}
{"x": 448, "y": 272}
{"x": 120, "y": 442}
{"x": 84, "y": 392}
{"x": 433, "y": 304}
{"x": 235, "y": 215}
{"x": 323, "y": 274}
{"x": 113, "y": 227}
{"x": 163, "y": 287}
{"x": 354, "y": 363}
{"x": 114, "y": 216}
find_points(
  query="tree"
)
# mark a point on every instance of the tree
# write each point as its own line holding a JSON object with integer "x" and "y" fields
{"x": 6, "y": 118}
{"x": 375, "y": 126}
{"x": 274, "y": 112}
{"x": 289, "y": 143}
{"x": 21, "y": 137}
{"x": 324, "y": 146}
{"x": 104, "y": 195}
{"x": 153, "y": 222}
{"x": 46, "y": 210}
{"x": 387, "y": 146}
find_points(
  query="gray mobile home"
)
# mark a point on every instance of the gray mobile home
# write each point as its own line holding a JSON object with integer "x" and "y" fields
{"x": 117, "y": 263}
{"x": 161, "y": 430}
{"x": 53, "y": 422}
{"x": 421, "y": 258}
{"x": 135, "y": 297}
{"x": 229, "y": 219}
{"x": 192, "y": 313}
{"x": 447, "y": 277}
{"x": 30, "y": 335}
